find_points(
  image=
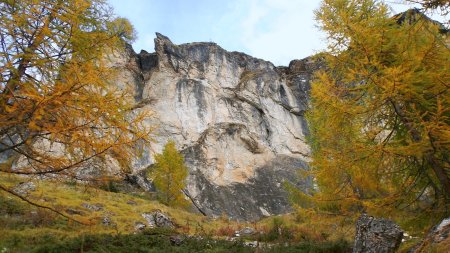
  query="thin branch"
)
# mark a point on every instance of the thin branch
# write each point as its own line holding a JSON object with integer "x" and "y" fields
{"x": 41, "y": 206}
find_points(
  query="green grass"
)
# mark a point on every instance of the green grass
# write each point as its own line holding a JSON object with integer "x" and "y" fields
{"x": 29, "y": 229}
{"x": 154, "y": 242}
{"x": 123, "y": 243}
{"x": 63, "y": 196}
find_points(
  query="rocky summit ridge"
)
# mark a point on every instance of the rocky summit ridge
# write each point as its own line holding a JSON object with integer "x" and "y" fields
{"x": 238, "y": 121}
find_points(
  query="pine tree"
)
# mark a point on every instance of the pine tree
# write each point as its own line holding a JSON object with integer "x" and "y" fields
{"x": 168, "y": 175}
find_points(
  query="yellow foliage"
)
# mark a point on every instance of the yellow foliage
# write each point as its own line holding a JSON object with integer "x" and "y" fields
{"x": 168, "y": 175}
{"x": 380, "y": 112}
{"x": 59, "y": 105}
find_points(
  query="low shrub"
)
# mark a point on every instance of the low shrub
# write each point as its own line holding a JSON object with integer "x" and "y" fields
{"x": 11, "y": 206}
{"x": 152, "y": 241}
{"x": 278, "y": 231}
{"x": 225, "y": 231}
{"x": 139, "y": 243}
{"x": 340, "y": 246}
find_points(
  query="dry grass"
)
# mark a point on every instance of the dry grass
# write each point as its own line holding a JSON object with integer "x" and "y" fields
{"x": 63, "y": 196}
{"x": 32, "y": 222}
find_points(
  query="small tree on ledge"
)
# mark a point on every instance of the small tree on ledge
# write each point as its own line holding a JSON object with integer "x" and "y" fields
{"x": 169, "y": 174}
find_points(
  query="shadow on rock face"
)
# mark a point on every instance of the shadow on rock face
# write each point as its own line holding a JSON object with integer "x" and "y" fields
{"x": 262, "y": 195}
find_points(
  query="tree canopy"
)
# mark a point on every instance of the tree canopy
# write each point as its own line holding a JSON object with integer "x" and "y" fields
{"x": 59, "y": 105}
{"x": 380, "y": 134}
{"x": 169, "y": 175}
{"x": 443, "y": 5}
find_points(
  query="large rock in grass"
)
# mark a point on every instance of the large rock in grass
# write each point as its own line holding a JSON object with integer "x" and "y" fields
{"x": 158, "y": 219}
{"x": 376, "y": 235}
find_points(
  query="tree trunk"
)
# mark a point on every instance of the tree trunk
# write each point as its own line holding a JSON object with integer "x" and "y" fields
{"x": 437, "y": 168}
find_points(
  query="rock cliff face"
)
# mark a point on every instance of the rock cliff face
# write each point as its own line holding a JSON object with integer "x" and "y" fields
{"x": 238, "y": 121}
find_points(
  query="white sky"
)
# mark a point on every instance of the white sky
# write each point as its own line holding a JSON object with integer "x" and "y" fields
{"x": 274, "y": 30}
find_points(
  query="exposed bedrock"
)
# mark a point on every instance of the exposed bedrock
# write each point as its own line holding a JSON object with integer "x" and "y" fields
{"x": 238, "y": 121}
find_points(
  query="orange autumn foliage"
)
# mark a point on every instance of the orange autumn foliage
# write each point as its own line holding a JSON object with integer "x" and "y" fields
{"x": 380, "y": 111}
{"x": 59, "y": 105}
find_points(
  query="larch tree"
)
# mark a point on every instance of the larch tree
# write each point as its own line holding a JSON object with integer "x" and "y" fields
{"x": 442, "y": 5}
{"x": 59, "y": 105}
{"x": 380, "y": 134}
{"x": 169, "y": 176}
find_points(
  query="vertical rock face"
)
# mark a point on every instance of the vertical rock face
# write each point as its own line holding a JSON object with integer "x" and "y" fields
{"x": 238, "y": 121}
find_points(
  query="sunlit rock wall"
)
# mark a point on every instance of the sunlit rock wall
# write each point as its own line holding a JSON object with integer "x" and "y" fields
{"x": 238, "y": 121}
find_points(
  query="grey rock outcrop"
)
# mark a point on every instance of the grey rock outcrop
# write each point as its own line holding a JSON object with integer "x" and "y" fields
{"x": 158, "y": 219}
{"x": 237, "y": 120}
{"x": 24, "y": 188}
{"x": 93, "y": 207}
{"x": 139, "y": 226}
{"x": 107, "y": 221}
{"x": 177, "y": 239}
{"x": 441, "y": 231}
{"x": 246, "y": 231}
{"x": 376, "y": 235}
{"x": 72, "y": 211}
{"x": 438, "y": 234}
